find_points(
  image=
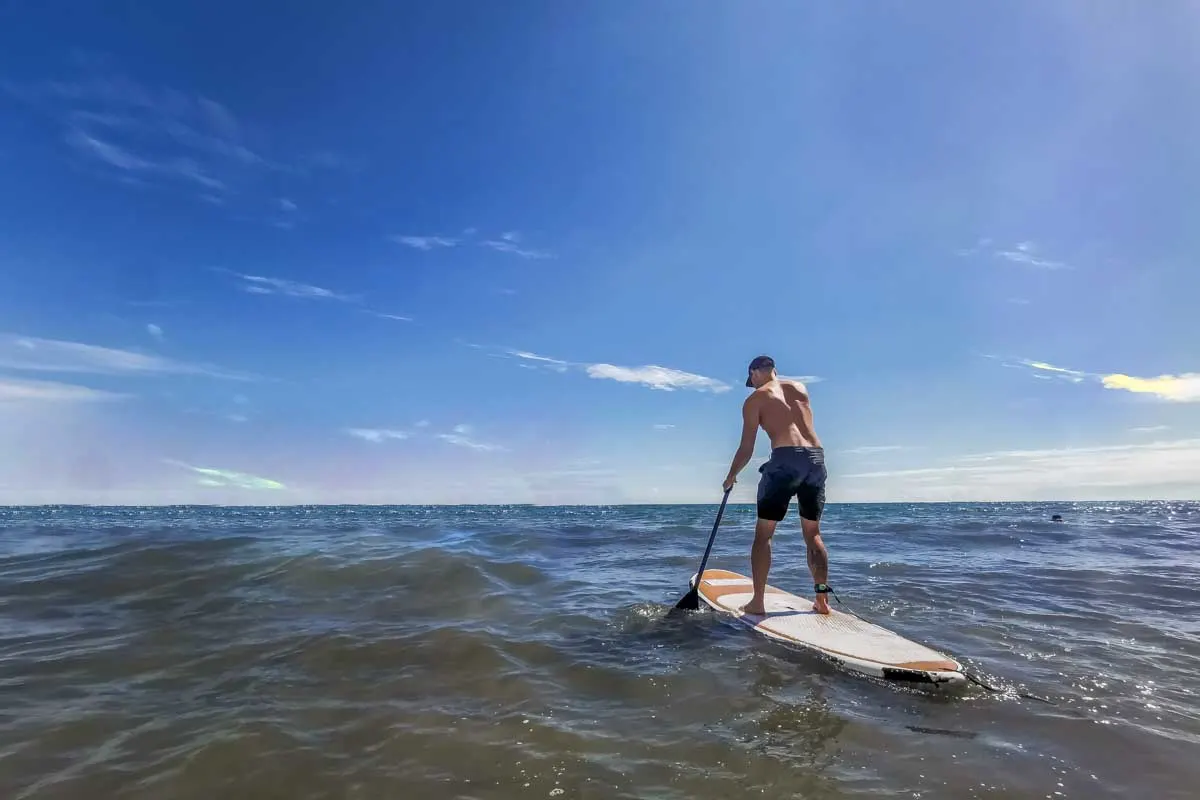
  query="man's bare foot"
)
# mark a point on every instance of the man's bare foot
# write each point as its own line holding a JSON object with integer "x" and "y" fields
{"x": 757, "y": 609}
{"x": 821, "y": 604}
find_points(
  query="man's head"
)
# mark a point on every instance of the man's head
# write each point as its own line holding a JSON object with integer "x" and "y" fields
{"x": 762, "y": 370}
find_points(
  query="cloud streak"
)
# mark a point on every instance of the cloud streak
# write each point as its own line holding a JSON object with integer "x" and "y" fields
{"x": 377, "y": 435}
{"x": 20, "y": 390}
{"x": 258, "y": 284}
{"x": 657, "y": 377}
{"x": 1117, "y": 471}
{"x": 506, "y": 246}
{"x": 508, "y": 242}
{"x": 1183, "y": 388}
{"x": 1024, "y": 254}
{"x": 424, "y": 242}
{"x": 460, "y": 438}
{"x": 211, "y": 476}
{"x": 661, "y": 378}
{"x": 158, "y": 135}
{"x": 126, "y": 161}
{"x": 51, "y": 355}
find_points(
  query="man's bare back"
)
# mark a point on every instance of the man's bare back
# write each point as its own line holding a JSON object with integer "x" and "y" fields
{"x": 796, "y": 469}
{"x": 783, "y": 410}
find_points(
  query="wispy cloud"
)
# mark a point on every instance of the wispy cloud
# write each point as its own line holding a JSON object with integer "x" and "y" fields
{"x": 1023, "y": 253}
{"x": 664, "y": 427}
{"x": 50, "y": 355}
{"x": 1116, "y": 471}
{"x": 155, "y": 331}
{"x": 210, "y": 476}
{"x": 1072, "y": 375}
{"x": 122, "y": 159}
{"x": 397, "y": 317}
{"x": 550, "y": 363}
{"x": 509, "y": 243}
{"x": 424, "y": 242}
{"x": 461, "y": 438}
{"x": 1026, "y": 253}
{"x": 18, "y": 390}
{"x": 286, "y": 204}
{"x": 132, "y": 129}
{"x": 258, "y": 284}
{"x": 377, "y": 435}
{"x": 1184, "y": 388}
{"x": 662, "y": 378}
{"x": 110, "y": 154}
{"x": 653, "y": 376}
{"x": 1149, "y": 429}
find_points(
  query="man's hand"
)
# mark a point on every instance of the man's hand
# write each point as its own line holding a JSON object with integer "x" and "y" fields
{"x": 730, "y": 480}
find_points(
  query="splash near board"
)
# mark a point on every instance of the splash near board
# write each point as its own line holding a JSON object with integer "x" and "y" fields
{"x": 846, "y": 639}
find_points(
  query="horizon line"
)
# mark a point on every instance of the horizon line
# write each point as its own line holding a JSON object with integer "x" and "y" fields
{"x": 576, "y": 505}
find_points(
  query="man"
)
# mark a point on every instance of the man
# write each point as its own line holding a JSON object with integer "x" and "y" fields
{"x": 796, "y": 468}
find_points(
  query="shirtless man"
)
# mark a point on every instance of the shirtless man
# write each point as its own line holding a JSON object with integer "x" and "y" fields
{"x": 796, "y": 467}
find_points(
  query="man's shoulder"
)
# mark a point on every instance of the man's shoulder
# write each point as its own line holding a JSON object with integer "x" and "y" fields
{"x": 795, "y": 385}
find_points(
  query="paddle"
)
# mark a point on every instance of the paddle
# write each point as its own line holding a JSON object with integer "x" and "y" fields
{"x": 691, "y": 600}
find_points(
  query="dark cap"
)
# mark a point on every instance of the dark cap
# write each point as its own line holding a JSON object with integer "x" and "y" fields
{"x": 761, "y": 362}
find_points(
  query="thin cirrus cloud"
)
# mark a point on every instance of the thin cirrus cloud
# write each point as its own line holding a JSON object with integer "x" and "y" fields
{"x": 424, "y": 242}
{"x": 459, "y": 436}
{"x": 508, "y": 242}
{"x": 21, "y": 390}
{"x": 259, "y": 284}
{"x": 140, "y": 134}
{"x": 265, "y": 285}
{"x": 377, "y": 435}
{"x": 212, "y": 476}
{"x": 122, "y": 159}
{"x": 50, "y": 355}
{"x": 1148, "y": 469}
{"x": 1183, "y": 388}
{"x": 1026, "y": 254}
{"x": 155, "y": 331}
{"x": 653, "y": 376}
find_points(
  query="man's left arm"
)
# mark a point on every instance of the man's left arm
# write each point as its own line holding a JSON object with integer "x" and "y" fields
{"x": 745, "y": 449}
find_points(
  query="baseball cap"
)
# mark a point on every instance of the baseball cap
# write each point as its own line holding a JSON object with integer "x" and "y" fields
{"x": 760, "y": 362}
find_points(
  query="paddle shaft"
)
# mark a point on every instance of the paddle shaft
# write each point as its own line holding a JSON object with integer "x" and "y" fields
{"x": 691, "y": 600}
{"x": 712, "y": 537}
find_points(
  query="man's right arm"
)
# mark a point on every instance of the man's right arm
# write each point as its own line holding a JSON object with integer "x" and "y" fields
{"x": 745, "y": 449}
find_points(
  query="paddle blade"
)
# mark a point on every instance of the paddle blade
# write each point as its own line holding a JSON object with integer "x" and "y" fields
{"x": 689, "y": 602}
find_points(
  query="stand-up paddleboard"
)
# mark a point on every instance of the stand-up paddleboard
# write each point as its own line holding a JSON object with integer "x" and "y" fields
{"x": 846, "y": 639}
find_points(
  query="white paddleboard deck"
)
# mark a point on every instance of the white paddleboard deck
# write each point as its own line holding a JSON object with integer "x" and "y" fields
{"x": 849, "y": 641}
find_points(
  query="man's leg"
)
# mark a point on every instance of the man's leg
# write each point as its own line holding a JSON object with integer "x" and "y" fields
{"x": 774, "y": 497}
{"x": 818, "y": 560}
{"x": 760, "y": 565}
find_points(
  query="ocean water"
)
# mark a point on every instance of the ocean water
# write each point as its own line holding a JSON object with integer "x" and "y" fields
{"x": 522, "y": 652}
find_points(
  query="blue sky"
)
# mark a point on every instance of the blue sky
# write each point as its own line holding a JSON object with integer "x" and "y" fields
{"x": 522, "y": 252}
